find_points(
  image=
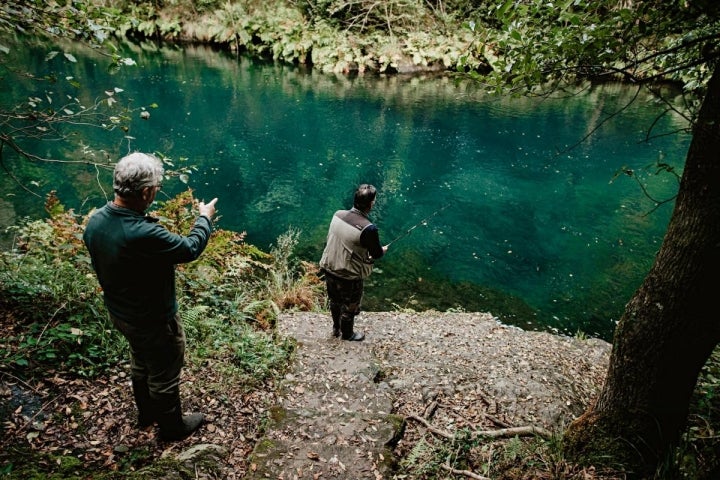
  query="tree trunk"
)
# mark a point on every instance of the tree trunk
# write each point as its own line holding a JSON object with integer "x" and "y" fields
{"x": 669, "y": 327}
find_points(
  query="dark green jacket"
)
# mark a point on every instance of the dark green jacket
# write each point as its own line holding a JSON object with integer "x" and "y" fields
{"x": 134, "y": 258}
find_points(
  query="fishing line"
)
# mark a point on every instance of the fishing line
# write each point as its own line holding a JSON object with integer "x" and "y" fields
{"x": 421, "y": 222}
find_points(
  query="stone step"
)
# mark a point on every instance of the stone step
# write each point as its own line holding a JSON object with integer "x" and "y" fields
{"x": 334, "y": 419}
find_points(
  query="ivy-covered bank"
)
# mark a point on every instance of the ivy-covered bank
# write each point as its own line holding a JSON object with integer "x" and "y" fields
{"x": 509, "y": 45}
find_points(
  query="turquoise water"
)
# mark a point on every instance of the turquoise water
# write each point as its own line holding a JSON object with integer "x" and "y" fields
{"x": 534, "y": 226}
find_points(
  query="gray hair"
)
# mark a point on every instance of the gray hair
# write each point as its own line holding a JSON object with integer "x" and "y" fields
{"x": 135, "y": 172}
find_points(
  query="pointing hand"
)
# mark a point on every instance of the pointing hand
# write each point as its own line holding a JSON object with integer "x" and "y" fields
{"x": 208, "y": 209}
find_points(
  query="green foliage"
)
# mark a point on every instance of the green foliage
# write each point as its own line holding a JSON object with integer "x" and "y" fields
{"x": 83, "y": 21}
{"x": 198, "y": 327}
{"x": 237, "y": 280}
{"x": 144, "y": 19}
{"x": 534, "y": 43}
{"x": 255, "y": 354}
{"x": 419, "y": 459}
{"x": 259, "y": 355}
{"x": 535, "y": 457}
{"x": 58, "y": 108}
{"x": 48, "y": 286}
{"x": 697, "y": 453}
{"x": 505, "y": 458}
{"x": 429, "y": 455}
{"x": 334, "y": 35}
{"x": 393, "y": 16}
{"x": 521, "y": 44}
{"x": 292, "y": 284}
{"x": 41, "y": 465}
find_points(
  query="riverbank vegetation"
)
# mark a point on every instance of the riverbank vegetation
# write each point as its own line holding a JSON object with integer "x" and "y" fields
{"x": 511, "y": 46}
{"x": 56, "y": 338}
{"x": 496, "y": 41}
{"x": 332, "y": 36}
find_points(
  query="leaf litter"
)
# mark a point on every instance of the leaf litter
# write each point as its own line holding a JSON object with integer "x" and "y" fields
{"x": 335, "y": 413}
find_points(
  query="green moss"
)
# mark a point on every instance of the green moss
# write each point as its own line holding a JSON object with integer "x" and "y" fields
{"x": 29, "y": 465}
{"x": 398, "y": 424}
{"x": 278, "y": 414}
{"x": 264, "y": 446}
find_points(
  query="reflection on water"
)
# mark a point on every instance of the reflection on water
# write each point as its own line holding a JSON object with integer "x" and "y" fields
{"x": 535, "y": 230}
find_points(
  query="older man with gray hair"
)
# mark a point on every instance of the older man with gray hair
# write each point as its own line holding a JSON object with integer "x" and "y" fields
{"x": 134, "y": 259}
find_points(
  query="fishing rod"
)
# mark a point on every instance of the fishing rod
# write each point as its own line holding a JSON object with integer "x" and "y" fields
{"x": 421, "y": 222}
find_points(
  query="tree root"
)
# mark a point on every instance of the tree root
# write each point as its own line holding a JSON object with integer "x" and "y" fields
{"x": 501, "y": 433}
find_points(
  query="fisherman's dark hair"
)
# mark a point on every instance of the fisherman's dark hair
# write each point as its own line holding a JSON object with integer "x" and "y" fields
{"x": 364, "y": 196}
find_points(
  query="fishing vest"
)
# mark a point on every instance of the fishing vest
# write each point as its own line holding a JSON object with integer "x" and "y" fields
{"x": 344, "y": 257}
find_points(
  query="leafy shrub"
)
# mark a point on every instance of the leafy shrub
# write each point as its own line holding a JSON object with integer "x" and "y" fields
{"x": 48, "y": 288}
{"x": 237, "y": 280}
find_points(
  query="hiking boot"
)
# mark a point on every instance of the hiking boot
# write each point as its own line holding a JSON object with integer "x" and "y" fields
{"x": 146, "y": 407}
{"x": 347, "y": 330}
{"x": 176, "y": 426}
{"x": 181, "y": 427}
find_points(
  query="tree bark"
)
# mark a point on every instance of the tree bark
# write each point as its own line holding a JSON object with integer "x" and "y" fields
{"x": 669, "y": 327}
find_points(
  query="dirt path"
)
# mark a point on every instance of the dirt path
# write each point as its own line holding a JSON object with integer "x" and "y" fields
{"x": 341, "y": 409}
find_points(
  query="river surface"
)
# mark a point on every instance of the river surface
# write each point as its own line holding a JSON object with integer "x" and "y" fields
{"x": 528, "y": 217}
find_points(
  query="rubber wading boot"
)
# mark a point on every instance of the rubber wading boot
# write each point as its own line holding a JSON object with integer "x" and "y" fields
{"x": 355, "y": 337}
{"x": 176, "y": 426}
{"x": 335, "y": 312}
{"x": 336, "y": 327}
{"x": 346, "y": 327}
{"x": 147, "y": 413}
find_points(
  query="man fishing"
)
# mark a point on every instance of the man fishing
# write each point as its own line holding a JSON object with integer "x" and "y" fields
{"x": 353, "y": 245}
